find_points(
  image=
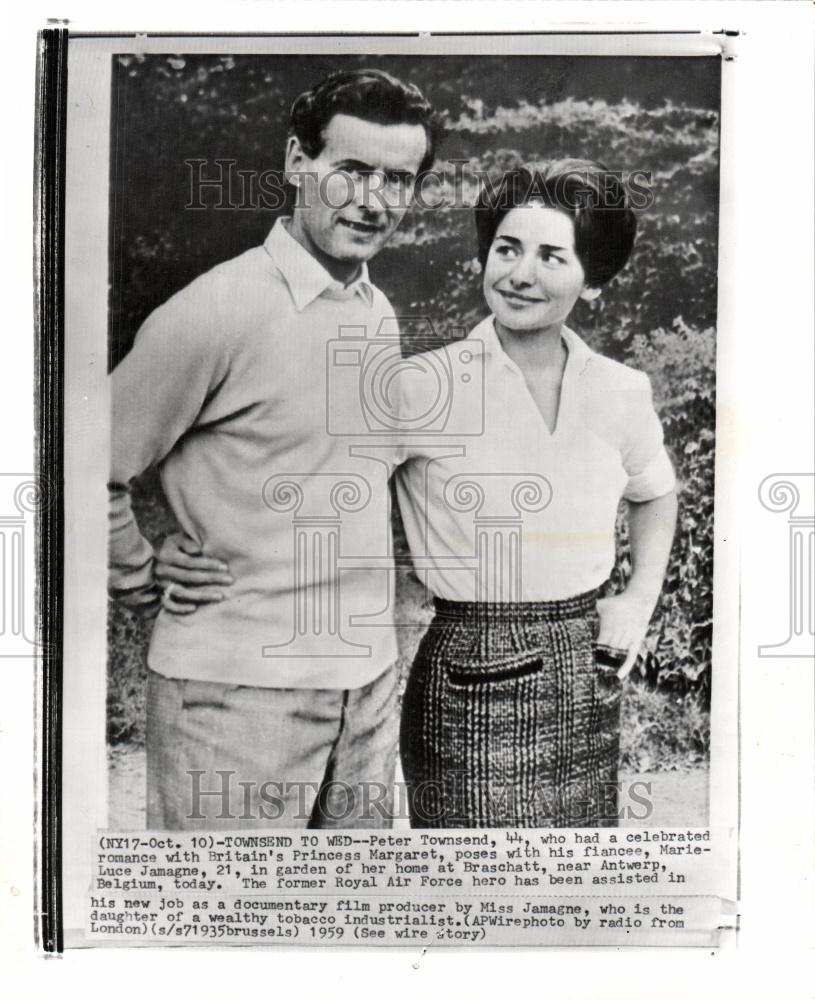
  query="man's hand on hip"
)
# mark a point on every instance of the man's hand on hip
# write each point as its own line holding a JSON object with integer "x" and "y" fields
{"x": 187, "y": 577}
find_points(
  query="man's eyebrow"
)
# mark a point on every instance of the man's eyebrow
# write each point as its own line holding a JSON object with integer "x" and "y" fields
{"x": 543, "y": 246}
{"x": 354, "y": 164}
{"x": 363, "y": 166}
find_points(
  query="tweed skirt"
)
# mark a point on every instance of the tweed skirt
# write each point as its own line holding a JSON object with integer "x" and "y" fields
{"x": 510, "y": 718}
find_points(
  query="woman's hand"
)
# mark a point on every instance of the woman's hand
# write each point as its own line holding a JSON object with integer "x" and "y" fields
{"x": 187, "y": 577}
{"x": 623, "y": 623}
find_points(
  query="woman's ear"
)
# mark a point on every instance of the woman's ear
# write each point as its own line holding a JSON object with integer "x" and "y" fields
{"x": 589, "y": 294}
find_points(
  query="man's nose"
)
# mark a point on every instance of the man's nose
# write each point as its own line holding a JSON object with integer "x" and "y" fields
{"x": 376, "y": 194}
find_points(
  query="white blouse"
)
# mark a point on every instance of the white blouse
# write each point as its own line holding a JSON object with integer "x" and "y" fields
{"x": 497, "y": 507}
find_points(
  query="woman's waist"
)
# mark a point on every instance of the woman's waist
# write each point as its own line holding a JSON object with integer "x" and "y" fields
{"x": 472, "y": 635}
{"x": 576, "y": 606}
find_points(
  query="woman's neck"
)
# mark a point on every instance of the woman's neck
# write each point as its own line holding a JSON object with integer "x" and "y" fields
{"x": 534, "y": 349}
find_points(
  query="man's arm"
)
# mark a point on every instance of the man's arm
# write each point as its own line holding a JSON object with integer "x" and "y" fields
{"x": 157, "y": 393}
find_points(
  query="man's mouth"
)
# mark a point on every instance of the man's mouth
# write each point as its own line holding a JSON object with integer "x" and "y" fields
{"x": 365, "y": 228}
{"x": 517, "y": 299}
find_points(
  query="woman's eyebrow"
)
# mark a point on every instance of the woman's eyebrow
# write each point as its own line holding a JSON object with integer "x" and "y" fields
{"x": 550, "y": 247}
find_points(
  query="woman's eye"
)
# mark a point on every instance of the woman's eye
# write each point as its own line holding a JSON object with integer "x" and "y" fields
{"x": 551, "y": 260}
{"x": 504, "y": 250}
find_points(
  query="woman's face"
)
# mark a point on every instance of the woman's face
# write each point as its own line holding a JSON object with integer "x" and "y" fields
{"x": 533, "y": 277}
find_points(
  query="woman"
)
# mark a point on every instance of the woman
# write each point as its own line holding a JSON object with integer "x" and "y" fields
{"x": 511, "y": 713}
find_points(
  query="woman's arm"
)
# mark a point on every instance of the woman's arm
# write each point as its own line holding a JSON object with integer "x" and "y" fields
{"x": 624, "y": 619}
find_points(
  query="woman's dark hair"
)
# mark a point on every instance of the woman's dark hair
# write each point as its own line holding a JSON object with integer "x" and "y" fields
{"x": 370, "y": 94}
{"x": 594, "y": 197}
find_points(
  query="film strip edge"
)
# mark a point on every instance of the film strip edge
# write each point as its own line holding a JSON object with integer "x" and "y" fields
{"x": 51, "y": 111}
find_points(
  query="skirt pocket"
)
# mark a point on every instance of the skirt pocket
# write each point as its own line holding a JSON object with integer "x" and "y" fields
{"x": 492, "y": 736}
{"x": 466, "y": 674}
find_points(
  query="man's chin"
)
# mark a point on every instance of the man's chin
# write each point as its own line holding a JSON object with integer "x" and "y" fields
{"x": 353, "y": 252}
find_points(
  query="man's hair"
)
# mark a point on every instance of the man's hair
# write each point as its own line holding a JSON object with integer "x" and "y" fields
{"x": 370, "y": 94}
{"x": 593, "y": 196}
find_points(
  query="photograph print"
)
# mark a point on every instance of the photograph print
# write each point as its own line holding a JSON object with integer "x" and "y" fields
{"x": 413, "y": 423}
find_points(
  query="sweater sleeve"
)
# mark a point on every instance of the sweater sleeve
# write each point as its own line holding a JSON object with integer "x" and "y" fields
{"x": 650, "y": 472}
{"x": 157, "y": 392}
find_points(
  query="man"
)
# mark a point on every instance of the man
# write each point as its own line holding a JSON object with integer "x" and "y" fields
{"x": 273, "y": 705}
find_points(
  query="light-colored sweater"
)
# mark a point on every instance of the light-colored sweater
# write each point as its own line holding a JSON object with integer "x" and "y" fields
{"x": 245, "y": 389}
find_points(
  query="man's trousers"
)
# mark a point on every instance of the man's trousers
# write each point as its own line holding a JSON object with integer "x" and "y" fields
{"x": 224, "y": 756}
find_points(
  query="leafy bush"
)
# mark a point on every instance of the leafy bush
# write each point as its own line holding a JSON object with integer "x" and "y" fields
{"x": 681, "y": 363}
{"x": 663, "y": 730}
{"x": 659, "y": 315}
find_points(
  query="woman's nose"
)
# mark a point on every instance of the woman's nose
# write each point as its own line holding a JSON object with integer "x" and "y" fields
{"x": 524, "y": 271}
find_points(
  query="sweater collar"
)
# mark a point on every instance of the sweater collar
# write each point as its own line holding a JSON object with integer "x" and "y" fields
{"x": 305, "y": 276}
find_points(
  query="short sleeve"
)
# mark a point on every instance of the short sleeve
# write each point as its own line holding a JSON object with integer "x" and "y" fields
{"x": 417, "y": 402}
{"x": 650, "y": 471}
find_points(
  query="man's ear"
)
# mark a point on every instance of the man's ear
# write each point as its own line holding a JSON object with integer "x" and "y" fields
{"x": 589, "y": 294}
{"x": 296, "y": 160}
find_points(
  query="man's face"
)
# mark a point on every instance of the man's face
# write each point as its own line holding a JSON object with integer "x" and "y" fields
{"x": 354, "y": 193}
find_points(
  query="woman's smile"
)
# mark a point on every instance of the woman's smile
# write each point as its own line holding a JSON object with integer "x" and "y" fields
{"x": 517, "y": 300}
{"x": 533, "y": 276}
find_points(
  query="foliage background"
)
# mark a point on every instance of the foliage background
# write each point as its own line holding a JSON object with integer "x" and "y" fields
{"x": 632, "y": 113}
